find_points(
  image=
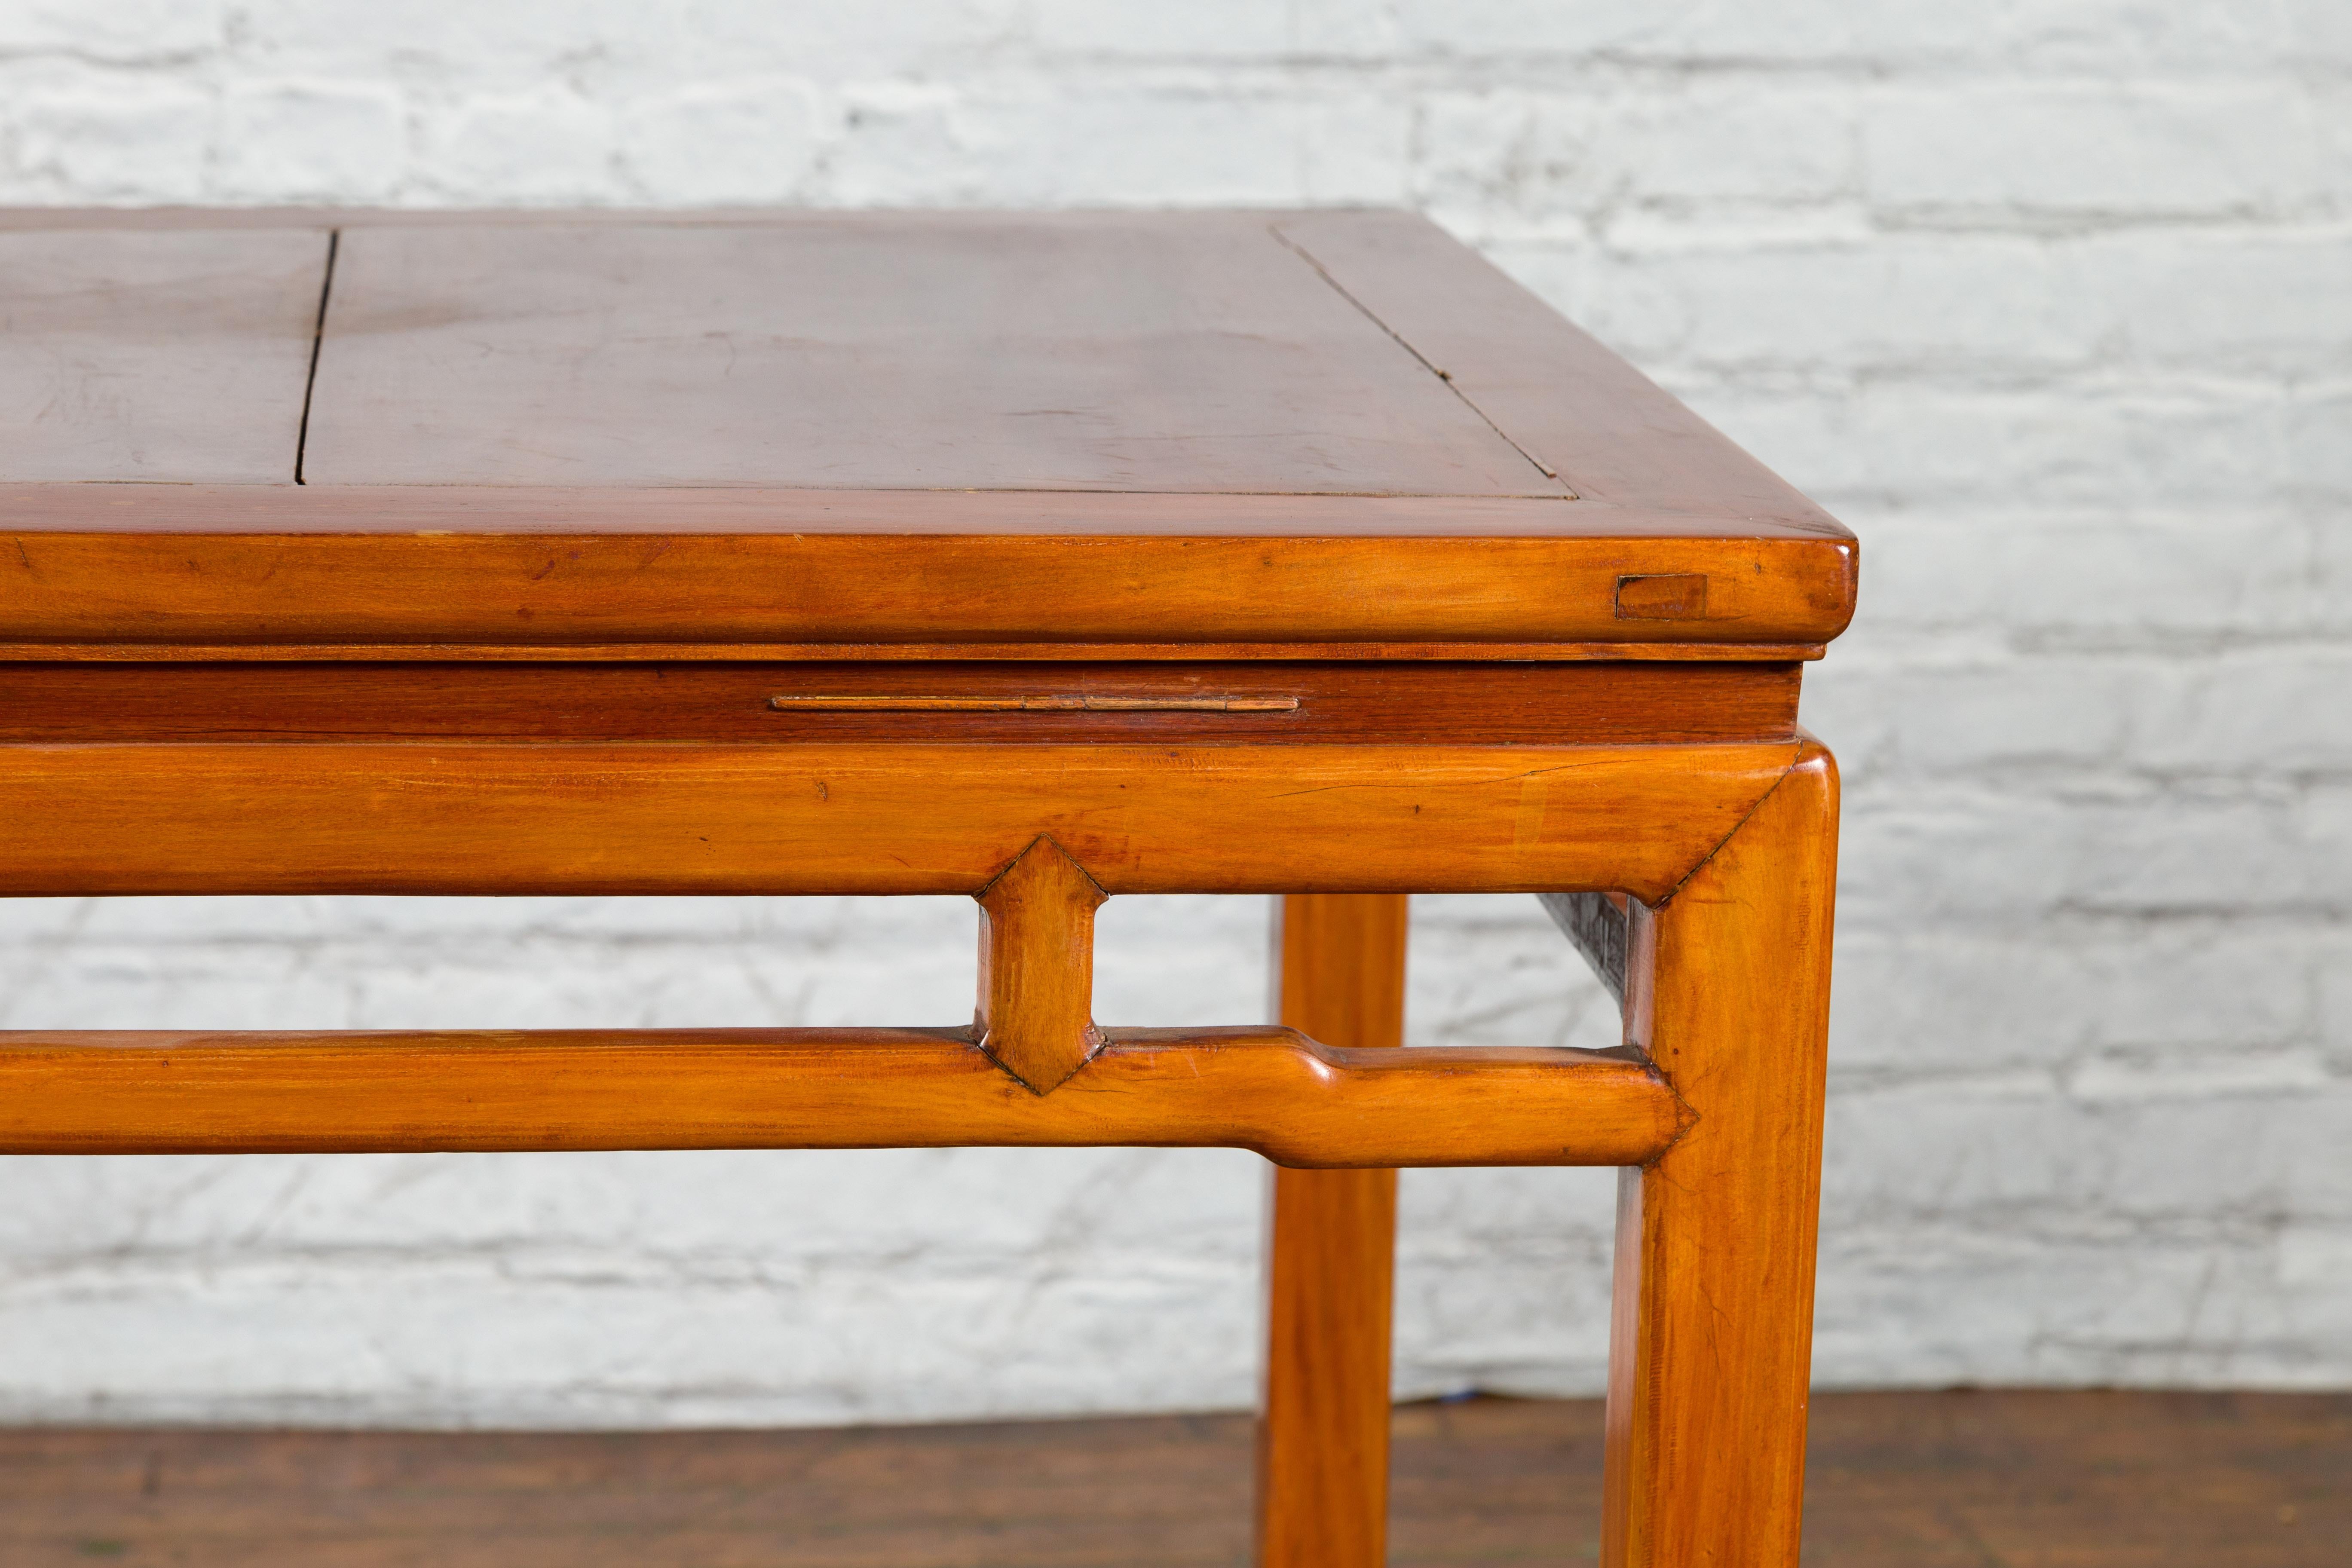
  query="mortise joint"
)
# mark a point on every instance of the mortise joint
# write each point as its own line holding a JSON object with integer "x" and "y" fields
{"x": 1676, "y": 597}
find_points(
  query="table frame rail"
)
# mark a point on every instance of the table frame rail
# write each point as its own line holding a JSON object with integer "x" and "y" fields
{"x": 1271, "y": 1090}
{"x": 1724, "y": 857}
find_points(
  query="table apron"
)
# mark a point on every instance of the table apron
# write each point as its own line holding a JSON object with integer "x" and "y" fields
{"x": 507, "y": 818}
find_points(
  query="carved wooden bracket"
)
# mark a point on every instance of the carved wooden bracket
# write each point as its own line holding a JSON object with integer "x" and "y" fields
{"x": 1038, "y": 967}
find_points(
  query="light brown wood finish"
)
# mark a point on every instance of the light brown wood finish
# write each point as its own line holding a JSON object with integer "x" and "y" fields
{"x": 1540, "y": 625}
{"x": 169, "y": 507}
{"x": 1323, "y": 1420}
{"x": 1104, "y": 351}
{"x": 1340, "y": 492}
{"x": 1035, "y": 1018}
{"x": 1270, "y": 1089}
{"x": 141, "y": 355}
{"x": 1172, "y": 653}
{"x": 1711, "y": 1332}
{"x": 1574, "y": 407}
{"x": 520, "y": 568}
{"x": 832, "y": 817}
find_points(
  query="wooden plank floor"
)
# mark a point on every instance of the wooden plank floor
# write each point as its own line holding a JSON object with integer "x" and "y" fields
{"x": 1920, "y": 1481}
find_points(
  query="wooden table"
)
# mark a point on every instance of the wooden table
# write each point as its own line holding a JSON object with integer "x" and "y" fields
{"x": 1042, "y": 559}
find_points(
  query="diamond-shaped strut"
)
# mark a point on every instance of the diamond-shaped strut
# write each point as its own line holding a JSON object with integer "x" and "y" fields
{"x": 1037, "y": 966}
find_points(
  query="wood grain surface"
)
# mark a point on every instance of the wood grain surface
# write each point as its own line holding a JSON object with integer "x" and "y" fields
{"x": 145, "y": 354}
{"x": 1270, "y": 1089}
{"x": 1035, "y": 1017}
{"x": 1172, "y": 653}
{"x": 1330, "y": 1270}
{"x": 451, "y": 580}
{"x": 1575, "y": 408}
{"x": 771, "y": 431}
{"x": 662, "y": 512}
{"x": 1711, "y": 1330}
{"x": 1103, "y": 351}
{"x": 485, "y": 463}
{"x": 839, "y": 817}
{"x": 1422, "y": 703}
{"x": 2040, "y": 1478}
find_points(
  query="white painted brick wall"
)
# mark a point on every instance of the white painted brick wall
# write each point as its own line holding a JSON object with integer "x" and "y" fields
{"x": 2052, "y": 301}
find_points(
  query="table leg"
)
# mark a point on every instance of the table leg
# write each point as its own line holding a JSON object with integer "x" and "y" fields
{"x": 1323, "y": 1425}
{"x": 1711, "y": 1332}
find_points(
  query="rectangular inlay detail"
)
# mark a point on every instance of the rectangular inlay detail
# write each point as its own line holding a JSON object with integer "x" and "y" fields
{"x": 1060, "y": 702}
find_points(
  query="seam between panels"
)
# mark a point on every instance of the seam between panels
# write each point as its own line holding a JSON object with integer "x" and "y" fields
{"x": 1745, "y": 817}
{"x": 317, "y": 339}
{"x": 1401, "y": 341}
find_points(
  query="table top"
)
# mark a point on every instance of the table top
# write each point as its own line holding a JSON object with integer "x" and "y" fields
{"x": 1252, "y": 434}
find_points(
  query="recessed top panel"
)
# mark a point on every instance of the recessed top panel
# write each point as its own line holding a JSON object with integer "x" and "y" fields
{"x": 1196, "y": 353}
{"x": 1240, "y": 435}
{"x": 172, "y": 354}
